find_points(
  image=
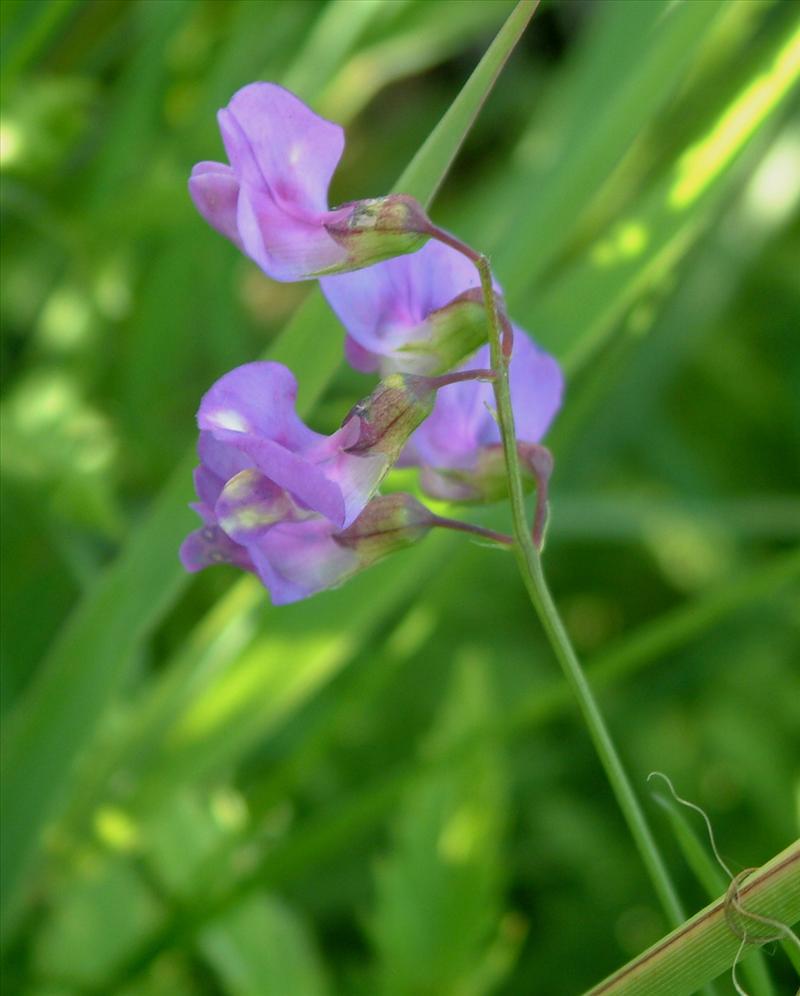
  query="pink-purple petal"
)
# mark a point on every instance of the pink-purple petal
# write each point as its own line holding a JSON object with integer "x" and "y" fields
{"x": 462, "y": 420}
{"x": 218, "y": 464}
{"x": 359, "y": 358}
{"x": 294, "y": 150}
{"x": 358, "y": 477}
{"x": 286, "y": 247}
{"x": 385, "y": 306}
{"x": 214, "y": 188}
{"x": 250, "y": 504}
{"x": 537, "y": 388}
{"x": 257, "y": 398}
{"x": 305, "y": 481}
{"x": 297, "y": 559}
{"x": 210, "y": 545}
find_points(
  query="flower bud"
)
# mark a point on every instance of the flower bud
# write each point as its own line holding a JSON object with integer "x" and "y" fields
{"x": 453, "y": 333}
{"x": 487, "y": 481}
{"x": 399, "y": 404}
{"x": 379, "y": 228}
{"x": 388, "y": 523}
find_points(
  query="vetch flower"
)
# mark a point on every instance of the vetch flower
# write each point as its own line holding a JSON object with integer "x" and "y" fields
{"x": 262, "y": 469}
{"x": 248, "y": 421}
{"x": 421, "y": 313}
{"x": 272, "y": 200}
{"x": 303, "y": 552}
{"x": 458, "y": 448}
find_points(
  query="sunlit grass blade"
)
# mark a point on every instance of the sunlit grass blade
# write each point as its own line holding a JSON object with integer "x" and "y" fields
{"x": 634, "y": 59}
{"x": 239, "y": 699}
{"x": 92, "y": 654}
{"x": 577, "y": 312}
{"x": 331, "y": 39}
{"x": 427, "y": 35}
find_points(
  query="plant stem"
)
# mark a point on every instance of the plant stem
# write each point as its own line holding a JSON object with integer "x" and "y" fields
{"x": 469, "y": 527}
{"x": 540, "y": 596}
{"x": 457, "y": 376}
{"x": 530, "y": 566}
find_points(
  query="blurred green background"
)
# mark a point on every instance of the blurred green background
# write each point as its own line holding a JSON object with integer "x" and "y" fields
{"x": 386, "y": 789}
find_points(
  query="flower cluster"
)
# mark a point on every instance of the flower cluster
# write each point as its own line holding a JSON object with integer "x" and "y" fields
{"x": 300, "y": 509}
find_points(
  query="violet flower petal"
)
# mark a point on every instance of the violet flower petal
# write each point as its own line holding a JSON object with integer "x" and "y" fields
{"x": 537, "y": 387}
{"x": 305, "y": 481}
{"x": 210, "y": 545}
{"x": 286, "y": 247}
{"x": 257, "y": 398}
{"x": 214, "y": 188}
{"x": 297, "y": 559}
{"x": 359, "y": 358}
{"x": 385, "y": 306}
{"x": 358, "y": 476}
{"x": 462, "y": 419}
{"x": 218, "y": 464}
{"x": 274, "y": 141}
{"x": 284, "y": 156}
{"x": 251, "y": 410}
{"x": 250, "y": 504}
{"x": 459, "y": 423}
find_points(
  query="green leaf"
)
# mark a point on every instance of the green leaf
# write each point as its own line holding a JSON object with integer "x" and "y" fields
{"x": 93, "y": 918}
{"x": 439, "y": 888}
{"x": 262, "y": 948}
{"x": 258, "y": 948}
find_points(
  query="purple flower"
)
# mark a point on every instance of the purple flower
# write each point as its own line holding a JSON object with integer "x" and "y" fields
{"x": 300, "y": 552}
{"x": 273, "y": 494}
{"x": 272, "y": 200}
{"x": 248, "y": 421}
{"x": 421, "y": 313}
{"x": 295, "y": 560}
{"x": 252, "y": 523}
{"x": 458, "y": 446}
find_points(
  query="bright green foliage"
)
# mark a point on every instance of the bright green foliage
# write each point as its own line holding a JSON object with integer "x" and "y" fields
{"x": 438, "y": 890}
{"x": 386, "y": 788}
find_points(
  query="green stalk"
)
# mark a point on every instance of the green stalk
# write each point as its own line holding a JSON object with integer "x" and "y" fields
{"x": 530, "y": 566}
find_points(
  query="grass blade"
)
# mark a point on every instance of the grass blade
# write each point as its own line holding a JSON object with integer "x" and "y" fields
{"x": 705, "y": 946}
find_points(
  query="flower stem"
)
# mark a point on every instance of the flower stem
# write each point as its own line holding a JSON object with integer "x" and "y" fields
{"x": 530, "y": 566}
{"x": 457, "y": 376}
{"x": 469, "y": 527}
